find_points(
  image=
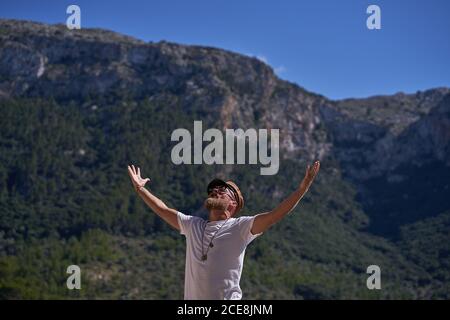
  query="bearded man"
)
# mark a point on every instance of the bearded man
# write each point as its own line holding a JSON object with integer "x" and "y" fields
{"x": 215, "y": 248}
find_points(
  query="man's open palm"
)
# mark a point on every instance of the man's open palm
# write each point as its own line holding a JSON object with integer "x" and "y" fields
{"x": 310, "y": 174}
{"x": 135, "y": 175}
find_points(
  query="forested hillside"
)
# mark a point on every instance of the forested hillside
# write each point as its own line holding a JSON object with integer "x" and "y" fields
{"x": 78, "y": 106}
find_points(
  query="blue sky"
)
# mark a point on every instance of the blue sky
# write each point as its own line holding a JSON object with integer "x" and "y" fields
{"x": 322, "y": 45}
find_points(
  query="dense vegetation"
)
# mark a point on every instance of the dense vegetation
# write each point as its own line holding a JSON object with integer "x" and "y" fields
{"x": 65, "y": 198}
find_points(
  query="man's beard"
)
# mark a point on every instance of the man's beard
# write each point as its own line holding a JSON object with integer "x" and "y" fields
{"x": 216, "y": 204}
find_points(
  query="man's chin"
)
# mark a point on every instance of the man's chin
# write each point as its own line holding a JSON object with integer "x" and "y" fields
{"x": 216, "y": 204}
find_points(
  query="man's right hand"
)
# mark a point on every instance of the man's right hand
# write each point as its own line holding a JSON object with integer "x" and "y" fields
{"x": 136, "y": 179}
{"x": 169, "y": 215}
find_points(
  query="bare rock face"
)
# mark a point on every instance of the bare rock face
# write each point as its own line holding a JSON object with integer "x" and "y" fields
{"x": 376, "y": 135}
{"x": 372, "y": 139}
{"x": 430, "y": 135}
{"x": 397, "y": 156}
{"x": 38, "y": 60}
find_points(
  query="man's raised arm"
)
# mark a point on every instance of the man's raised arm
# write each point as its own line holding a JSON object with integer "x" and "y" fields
{"x": 167, "y": 214}
{"x": 264, "y": 221}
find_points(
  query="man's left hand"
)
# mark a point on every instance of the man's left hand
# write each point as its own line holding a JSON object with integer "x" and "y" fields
{"x": 310, "y": 174}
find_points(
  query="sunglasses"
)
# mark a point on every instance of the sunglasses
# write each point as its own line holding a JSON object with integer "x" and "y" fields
{"x": 224, "y": 189}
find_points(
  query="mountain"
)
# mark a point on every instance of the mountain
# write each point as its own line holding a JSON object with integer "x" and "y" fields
{"x": 396, "y": 151}
{"x": 79, "y": 105}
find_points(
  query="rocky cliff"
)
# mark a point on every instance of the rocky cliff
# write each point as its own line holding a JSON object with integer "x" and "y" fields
{"x": 393, "y": 150}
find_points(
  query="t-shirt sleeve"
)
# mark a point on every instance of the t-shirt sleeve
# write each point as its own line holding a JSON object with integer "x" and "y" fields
{"x": 245, "y": 225}
{"x": 185, "y": 223}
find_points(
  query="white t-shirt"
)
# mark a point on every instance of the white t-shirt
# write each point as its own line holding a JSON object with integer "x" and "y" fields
{"x": 217, "y": 277}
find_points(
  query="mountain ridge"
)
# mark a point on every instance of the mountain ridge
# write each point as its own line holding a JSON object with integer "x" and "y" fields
{"x": 77, "y": 110}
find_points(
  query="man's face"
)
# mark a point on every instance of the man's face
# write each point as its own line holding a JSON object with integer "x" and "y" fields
{"x": 221, "y": 198}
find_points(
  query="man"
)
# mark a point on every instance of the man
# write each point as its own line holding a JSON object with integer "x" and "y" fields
{"x": 215, "y": 248}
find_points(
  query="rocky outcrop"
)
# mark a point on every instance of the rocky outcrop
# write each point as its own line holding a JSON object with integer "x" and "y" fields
{"x": 372, "y": 139}
{"x": 38, "y": 60}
